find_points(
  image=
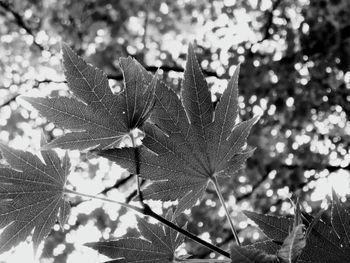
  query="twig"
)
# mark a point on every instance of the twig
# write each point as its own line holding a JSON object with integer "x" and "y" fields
{"x": 35, "y": 86}
{"x": 133, "y": 193}
{"x": 146, "y": 210}
{"x": 269, "y": 22}
{"x": 20, "y": 22}
{"x": 118, "y": 184}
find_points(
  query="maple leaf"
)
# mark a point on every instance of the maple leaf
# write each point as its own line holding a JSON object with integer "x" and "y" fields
{"x": 157, "y": 245}
{"x": 31, "y": 196}
{"x": 97, "y": 117}
{"x": 188, "y": 143}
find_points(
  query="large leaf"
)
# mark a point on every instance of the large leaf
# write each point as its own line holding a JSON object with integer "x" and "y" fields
{"x": 157, "y": 245}
{"x": 31, "y": 196}
{"x": 189, "y": 143}
{"x": 97, "y": 117}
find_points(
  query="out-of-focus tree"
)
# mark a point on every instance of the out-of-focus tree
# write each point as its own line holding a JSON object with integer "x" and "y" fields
{"x": 295, "y": 71}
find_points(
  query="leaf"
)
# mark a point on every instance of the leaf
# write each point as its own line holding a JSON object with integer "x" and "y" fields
{"x": 292, "y": 246}
{"x": 96, "y": 117}
{"x": 274, "y": 227}
{"x": 340, "y": 220}
{"x": 247, "y": 255}
{"x": 329, "y": 243}
{"x": 31, "y": 196}
{"x": 187, "y": 143}
{"x": 158, "y": 245}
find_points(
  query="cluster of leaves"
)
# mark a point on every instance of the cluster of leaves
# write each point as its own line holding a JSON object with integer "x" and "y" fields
{"x": 324, "y": 240}
{"x": 186, "y": 144}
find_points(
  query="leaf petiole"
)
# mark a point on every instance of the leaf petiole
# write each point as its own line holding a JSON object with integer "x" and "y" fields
{"x": 137, "y": 164}
{"x": 146, "y": 210}
{"x": 222, "y": 201}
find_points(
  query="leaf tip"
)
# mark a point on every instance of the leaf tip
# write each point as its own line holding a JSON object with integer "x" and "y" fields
{"x": 89, "y": 244}
{"x": 334, "y": 194}
{"x": 64, "y": 47}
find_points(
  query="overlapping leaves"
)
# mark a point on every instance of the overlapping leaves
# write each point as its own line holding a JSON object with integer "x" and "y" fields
{"x": 188, "y": 142}
{"x": 158, "y": 244}
{"x": 96, "y": 117}
{"x": 31, "y": 195}
{"x": 287, "y": 233}
{"x": 325, "y": 242}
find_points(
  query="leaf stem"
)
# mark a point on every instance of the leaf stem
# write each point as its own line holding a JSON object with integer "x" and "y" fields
{"x": 147, "y": 211}
{"x": 135, "y": 208}
{"x": 137, "y": 168}
{"x": 222, "y": 201}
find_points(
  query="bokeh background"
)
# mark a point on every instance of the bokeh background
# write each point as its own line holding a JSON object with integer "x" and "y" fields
{"x": 295, "y": 72}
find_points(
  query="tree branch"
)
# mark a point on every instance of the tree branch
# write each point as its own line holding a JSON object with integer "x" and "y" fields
{"x": 146, "y": 210}
{"x": 20, "y": 22}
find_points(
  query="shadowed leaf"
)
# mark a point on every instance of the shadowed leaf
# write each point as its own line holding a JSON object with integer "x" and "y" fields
{"x": 158, "y": 245}
{"x": 31, "y": 196}
{"x": 97, "y": 118}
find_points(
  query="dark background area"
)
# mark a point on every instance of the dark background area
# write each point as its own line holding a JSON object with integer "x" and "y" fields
{"x": 295, "y": 71}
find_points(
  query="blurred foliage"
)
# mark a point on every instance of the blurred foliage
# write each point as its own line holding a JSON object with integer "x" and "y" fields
{"x": 295, "y": 70}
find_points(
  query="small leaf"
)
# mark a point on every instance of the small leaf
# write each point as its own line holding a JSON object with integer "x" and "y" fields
{"x": 187, "y": 144}
{"x": 158, "y": 245}
{"x": 292, "y": 246}
{"x": 97, "y": 118}
{"x": 31, "y": 196}
{"x": 246, "y": 255}
{"x": 274, "y": 227}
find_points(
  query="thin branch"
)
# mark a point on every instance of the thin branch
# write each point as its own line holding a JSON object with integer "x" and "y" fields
{"x": 216, "y": 185}
{"x": 118, "y": 184}
{"x": 133, "y": 194}
{"x": 269, "y": 23}
{"x": 20, "y": 22}
{"x": 35, "y": 86}
{"x": 147, "y": 211}
{"x": 254, "y": 187}
{"x": 8, "y": 101}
